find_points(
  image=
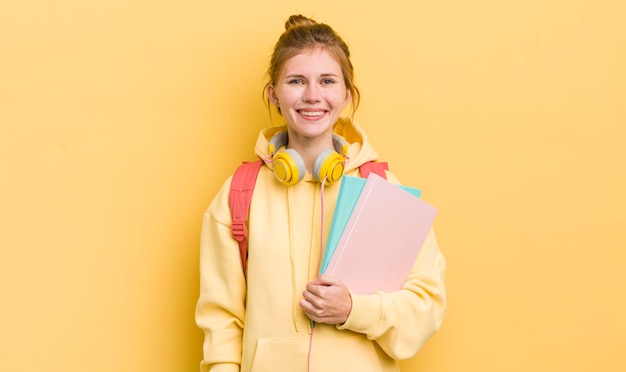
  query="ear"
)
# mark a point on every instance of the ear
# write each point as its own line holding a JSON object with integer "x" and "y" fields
{"x": 348, "y": 98}
{"x": 271, "y": 95}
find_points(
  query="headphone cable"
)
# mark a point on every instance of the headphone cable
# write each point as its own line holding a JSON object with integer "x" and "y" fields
{"x": 319, "y": 261}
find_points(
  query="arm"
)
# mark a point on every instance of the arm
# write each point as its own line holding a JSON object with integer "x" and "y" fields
{"x": 220, "y": 310}
{"x": 402, "y": 321}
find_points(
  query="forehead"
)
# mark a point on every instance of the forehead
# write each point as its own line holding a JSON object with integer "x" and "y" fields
{"x": 317, "y": 61}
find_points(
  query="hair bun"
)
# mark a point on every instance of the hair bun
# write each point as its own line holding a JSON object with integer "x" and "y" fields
{"x": 298, "y": 20}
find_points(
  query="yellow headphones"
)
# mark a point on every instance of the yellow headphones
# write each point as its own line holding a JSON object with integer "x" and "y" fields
{"x": 289, "y": 166}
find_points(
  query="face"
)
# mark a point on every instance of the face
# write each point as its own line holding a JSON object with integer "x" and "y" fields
{"x": 311, "y": 94}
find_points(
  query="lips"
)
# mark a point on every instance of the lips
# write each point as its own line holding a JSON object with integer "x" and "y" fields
{"x": 311, "y": 113}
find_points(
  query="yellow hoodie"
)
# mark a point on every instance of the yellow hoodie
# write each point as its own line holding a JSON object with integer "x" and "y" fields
{"x": 257, "y": 324}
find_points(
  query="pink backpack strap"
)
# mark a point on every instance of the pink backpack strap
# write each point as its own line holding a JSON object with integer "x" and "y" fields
{"x": 375, "y": 167}
{"x": 241, "y": 188}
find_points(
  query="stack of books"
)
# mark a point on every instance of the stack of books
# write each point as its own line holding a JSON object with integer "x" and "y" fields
{"x": 377, "y": 231}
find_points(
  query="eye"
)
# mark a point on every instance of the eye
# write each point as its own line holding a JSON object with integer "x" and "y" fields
{"x": 328, "y": 81}
{"x": 295, "y": 81}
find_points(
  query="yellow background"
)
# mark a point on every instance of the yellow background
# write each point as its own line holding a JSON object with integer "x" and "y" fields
{"x": 119, "y": 120}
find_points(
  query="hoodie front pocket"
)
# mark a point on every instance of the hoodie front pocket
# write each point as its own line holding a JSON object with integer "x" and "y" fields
{"x": 338, "y": 354}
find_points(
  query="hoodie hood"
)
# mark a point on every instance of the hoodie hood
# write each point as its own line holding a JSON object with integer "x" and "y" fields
{"x": 360, "y": 149}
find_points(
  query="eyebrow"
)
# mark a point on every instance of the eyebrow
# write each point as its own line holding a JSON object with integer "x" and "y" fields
{"x": 329, "y": 74}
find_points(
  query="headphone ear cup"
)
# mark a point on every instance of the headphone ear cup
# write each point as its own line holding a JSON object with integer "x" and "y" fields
{"x": 329, "y": 165}
{"x": 288, "y": 167}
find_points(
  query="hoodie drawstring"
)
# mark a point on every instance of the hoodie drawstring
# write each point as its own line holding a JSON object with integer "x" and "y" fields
{"x": 292, "y": 261}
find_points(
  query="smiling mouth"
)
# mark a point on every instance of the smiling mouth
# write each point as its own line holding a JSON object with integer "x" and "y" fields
{"x": 311, "y": 113}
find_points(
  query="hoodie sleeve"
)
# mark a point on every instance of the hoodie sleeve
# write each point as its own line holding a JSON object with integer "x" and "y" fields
{"x": 220, "y": 310}
{"x": 401, "y": 322}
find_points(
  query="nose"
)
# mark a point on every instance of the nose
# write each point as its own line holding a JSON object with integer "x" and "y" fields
{"x": 311, "y": 93}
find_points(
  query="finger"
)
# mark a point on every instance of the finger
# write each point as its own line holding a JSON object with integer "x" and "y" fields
{"x": 328, "y": 280}
{"x": 315, "y": 289}
{"x": 309, "y": 296}
{"x": 313, "y": 299}
{"x": 310, "y": 310}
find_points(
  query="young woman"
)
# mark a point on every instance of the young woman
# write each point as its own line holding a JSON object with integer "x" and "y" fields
{"x": 281, "y": 315}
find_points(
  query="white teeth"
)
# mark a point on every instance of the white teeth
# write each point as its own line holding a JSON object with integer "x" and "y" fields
{"x": 312, "y": 113}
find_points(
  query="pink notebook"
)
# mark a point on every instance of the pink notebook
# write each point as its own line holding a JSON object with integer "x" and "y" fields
{"x": 382, "y": 238}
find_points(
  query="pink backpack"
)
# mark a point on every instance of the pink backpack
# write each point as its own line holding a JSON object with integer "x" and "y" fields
{"x": 241, "y": 189}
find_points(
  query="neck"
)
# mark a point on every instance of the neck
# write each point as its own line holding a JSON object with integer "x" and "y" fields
{"x": 310, "y": 149}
